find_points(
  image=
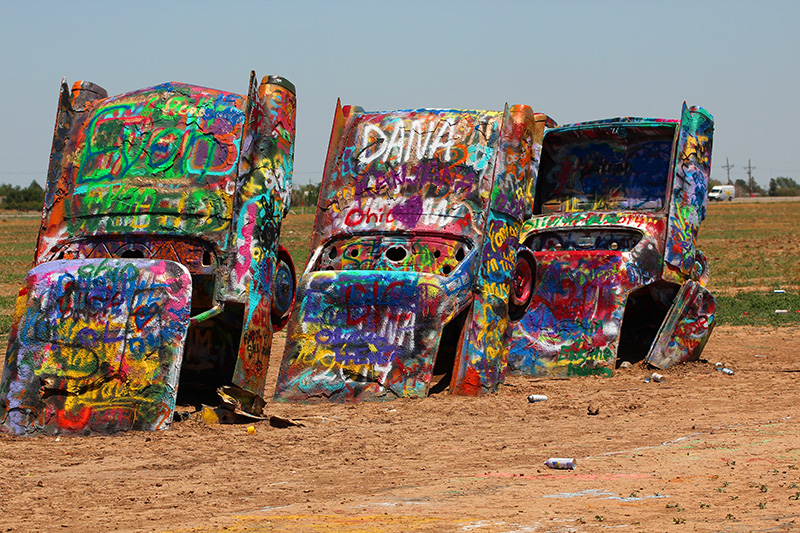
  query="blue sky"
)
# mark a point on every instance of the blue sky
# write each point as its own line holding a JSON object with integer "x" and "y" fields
{"x": 574, "y": 60}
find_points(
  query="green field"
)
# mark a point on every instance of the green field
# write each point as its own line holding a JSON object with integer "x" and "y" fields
{"x": 752, "y": 246}
{"x": 752, "y": 250}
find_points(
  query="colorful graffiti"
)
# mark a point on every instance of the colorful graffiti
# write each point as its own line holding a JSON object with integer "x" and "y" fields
{"x": 161, "y": 159}
{"x": 367, "y": 335}
{"x": 614, "y": 171}
{"x": 191, "y": 175}
{"x": 686, "y": 328}
{"x": 96, "y": 345}
{"x": 616, "y": 213}
{"x": 690, "y": 189}
{"x": 414, "y": 244}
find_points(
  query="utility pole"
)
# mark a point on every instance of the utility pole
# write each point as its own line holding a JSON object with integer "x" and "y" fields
{"x": 750, "y": 180}
{"x": 727, "y": 166}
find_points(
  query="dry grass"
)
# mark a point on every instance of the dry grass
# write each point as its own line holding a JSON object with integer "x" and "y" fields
{"x": 751, "y": 248}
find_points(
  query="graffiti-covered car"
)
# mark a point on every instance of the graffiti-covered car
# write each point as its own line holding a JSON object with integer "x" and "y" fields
{"x": 617, "y": 208}
{"x": 406, "y": 289}
{"x": 157, "y": 260}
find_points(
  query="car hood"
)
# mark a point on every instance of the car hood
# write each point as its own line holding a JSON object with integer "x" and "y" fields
{"x": 365, "y": 335}
{"x": 572, "y": 326}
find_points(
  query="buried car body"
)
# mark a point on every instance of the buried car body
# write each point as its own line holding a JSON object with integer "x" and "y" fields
{"x": 617, "y": 209}
{"x": 157, "y": 260}
{"x": 408, "y": 282}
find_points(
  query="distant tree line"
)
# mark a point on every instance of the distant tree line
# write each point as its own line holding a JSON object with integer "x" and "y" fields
{"x": 780, "y": 186}
{"x": 31, "y": 198}
{"x": 305, "y": 195}
{"x": 16, "y": 198}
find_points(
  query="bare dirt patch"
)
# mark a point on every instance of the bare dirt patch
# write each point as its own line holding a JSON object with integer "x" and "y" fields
{"x": 701, "y": 449}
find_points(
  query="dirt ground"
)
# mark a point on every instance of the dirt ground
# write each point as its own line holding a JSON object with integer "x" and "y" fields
{"x": 702, "y": 451}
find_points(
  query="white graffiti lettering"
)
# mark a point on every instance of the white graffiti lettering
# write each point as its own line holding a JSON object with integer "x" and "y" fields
{"x": 399, "y": 144}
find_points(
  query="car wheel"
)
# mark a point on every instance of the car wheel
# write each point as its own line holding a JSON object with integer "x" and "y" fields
{"x": 283, "y": 290}
{"x": 522, "y": 281}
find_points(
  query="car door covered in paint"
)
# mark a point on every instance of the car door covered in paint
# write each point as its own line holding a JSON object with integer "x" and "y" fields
{"x": 157, "y": 257}
{"x": 617, "y": 209}
{"x": 415, "y": 239}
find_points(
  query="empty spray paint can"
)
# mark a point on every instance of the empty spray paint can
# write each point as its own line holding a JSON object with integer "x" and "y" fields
{"x": 533, "y": 398}
{"x": 727, "y": 371}
{"x": 657, "y": 377}
{"x": 718, "y": 366}
{"x": 561, "y": 463}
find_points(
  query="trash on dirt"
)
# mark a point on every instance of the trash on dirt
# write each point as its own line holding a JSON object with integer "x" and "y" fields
{"x": 180, "y": 416}
{"x": 217, "y": 415}
{"x": 537, "y": 398}
{"x": 593, "y": 409}
{"x": 718, "y": 366}
{"x": 251, "y": 430}
{"x": 658, "y": 378}
{"x": 757, "y": 355}
{"x": 281, "y": 422}
{"x": 241, "y": 402}
{"x": 727, "y": 371}
{"x": 561, "y": 463}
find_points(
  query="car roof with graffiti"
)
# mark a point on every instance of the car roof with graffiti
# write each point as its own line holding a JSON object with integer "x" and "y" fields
{"x": 423, "y": 170}
{"x": 156, "y": 160}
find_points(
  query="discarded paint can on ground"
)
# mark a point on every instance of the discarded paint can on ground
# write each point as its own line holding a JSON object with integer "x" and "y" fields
{"x": 727, "y": 371}
{"x": 533, "y": 398}
{"x": 718, "y": 367}
{"x": 658, "y": 378}
{"x": 561, "y": 463}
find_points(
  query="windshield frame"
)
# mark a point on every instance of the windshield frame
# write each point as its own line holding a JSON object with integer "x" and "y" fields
{"x": 627, "y": 136}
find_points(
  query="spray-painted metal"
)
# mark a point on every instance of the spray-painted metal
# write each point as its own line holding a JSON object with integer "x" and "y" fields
{"x": 618, "y": 277}
{"x": 162, "y": 210}
{"x": 415, "y": 241}
{"x": 98, "y": 346}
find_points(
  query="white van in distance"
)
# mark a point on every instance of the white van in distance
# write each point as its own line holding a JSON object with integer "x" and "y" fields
{"x": 722, "y": 192}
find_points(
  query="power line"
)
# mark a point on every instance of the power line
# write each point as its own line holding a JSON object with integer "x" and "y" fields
{"x": 727, "y": 166}
{"x": 750, "y": 180}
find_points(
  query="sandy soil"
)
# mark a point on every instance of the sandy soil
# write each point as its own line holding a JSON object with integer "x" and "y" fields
{"x": 700, "y": 451}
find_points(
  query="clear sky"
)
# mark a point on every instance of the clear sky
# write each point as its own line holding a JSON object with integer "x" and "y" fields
{"x": 574, "y": 60}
